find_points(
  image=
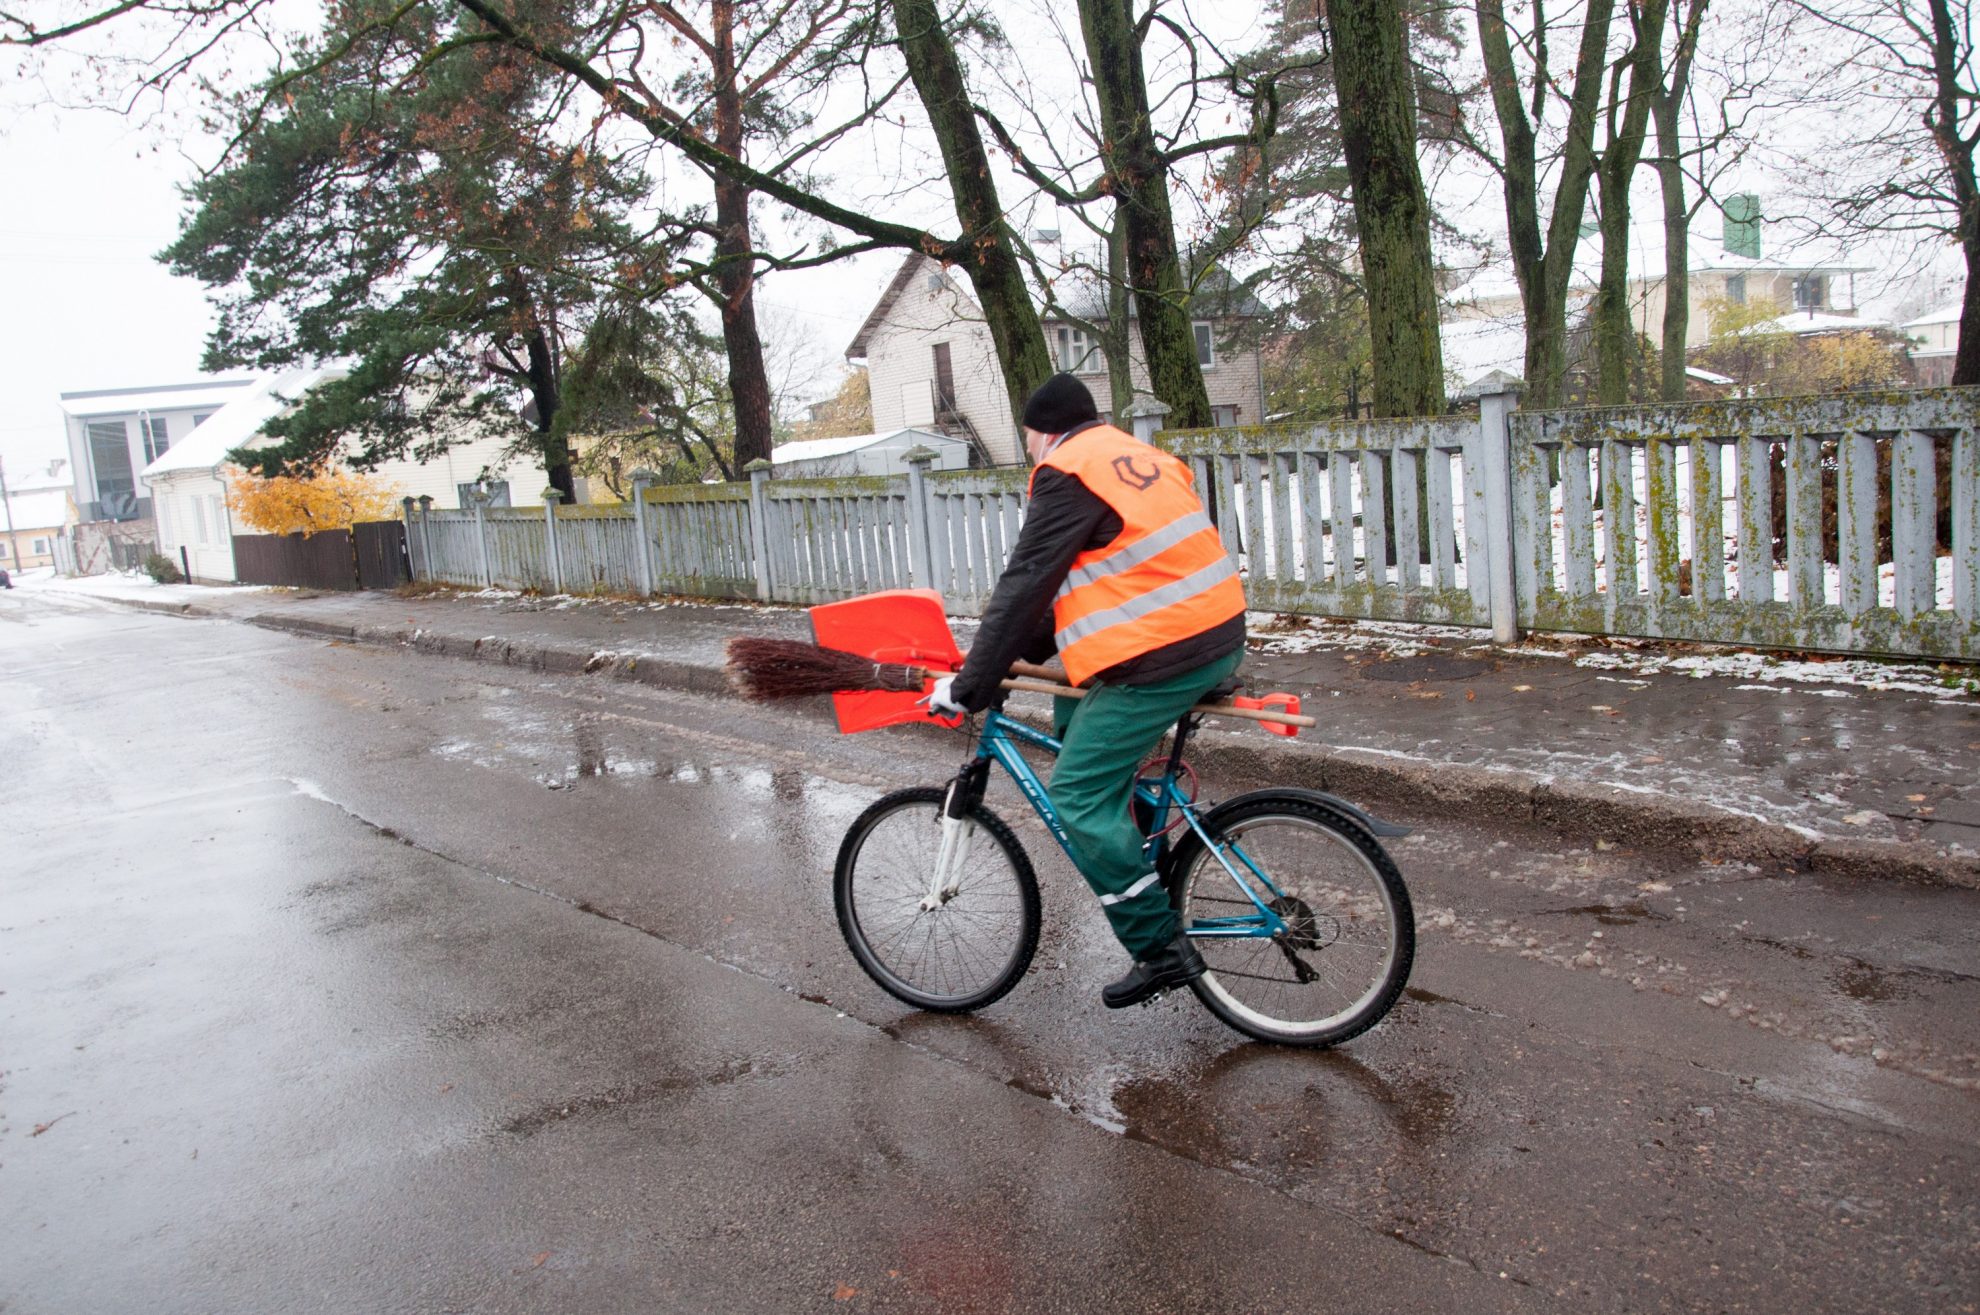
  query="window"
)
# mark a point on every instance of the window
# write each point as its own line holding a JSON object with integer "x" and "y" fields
{"x": 1206, "y": 345}
{"x": 219, "y": 519}
{"x": 500, "y": 488}
{"x": 1736, "y": 289}
{"x": 1223, "y": 417}
{"x": 4, "y": 550}
{"x": 199, "y": 518}
{"x": 201, "y": 418}
{"x": 156, "y": 438}
{"x": 1080, "y": 354}
{"x": 39, "y": 547}
{"x": 110, "y": 458}
{"x": 1811, "y": 292}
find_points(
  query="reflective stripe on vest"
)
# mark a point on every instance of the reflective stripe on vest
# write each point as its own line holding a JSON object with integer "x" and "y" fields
{"x": 1163, "y": 579}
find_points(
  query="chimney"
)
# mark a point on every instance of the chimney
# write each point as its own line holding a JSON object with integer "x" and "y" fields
{"x": 1742, "y": 230}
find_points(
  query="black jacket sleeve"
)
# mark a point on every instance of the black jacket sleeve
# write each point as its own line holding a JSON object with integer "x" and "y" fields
{"x": 1062, "y": 519}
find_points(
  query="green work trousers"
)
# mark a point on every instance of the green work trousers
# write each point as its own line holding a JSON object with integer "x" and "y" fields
{"x": 1105, "y": 736}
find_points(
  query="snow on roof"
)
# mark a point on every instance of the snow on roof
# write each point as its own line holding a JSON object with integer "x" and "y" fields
{"x": 238, "y": 422}
{"x": 1946, "y": 314}
{"x": 811, "y": 448}
{"x": 211, "y": 393}
{"x": 39, "y": 510}
{"x": 1808, "y": 322}
{"x": 1475, "y": 348}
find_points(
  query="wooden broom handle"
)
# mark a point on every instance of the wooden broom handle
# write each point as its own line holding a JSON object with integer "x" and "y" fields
{"x": 1031, "y": 678}
{"x": 1213, "y": 709}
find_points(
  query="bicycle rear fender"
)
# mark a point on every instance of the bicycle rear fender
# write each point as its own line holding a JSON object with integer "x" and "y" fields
{"x": 1374, "y": 825}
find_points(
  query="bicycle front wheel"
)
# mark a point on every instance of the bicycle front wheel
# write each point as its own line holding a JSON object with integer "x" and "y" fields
{"x": 1349, "y": 935}
{"x": 950, "y": 949}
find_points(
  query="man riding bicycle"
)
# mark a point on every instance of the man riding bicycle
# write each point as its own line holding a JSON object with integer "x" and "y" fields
{"x": 1120, "y": 570}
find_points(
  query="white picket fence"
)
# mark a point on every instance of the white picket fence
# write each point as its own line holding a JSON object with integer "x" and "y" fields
{"x": 1642, "y": 521}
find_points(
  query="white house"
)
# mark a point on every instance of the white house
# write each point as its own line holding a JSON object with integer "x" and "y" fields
{"x": 1935, "y": 341}
{"x": 866, "y": 454}
{"x": 34, "y": 516}
{"x": 189, "y": 488}
{"x": 931, "y": 362}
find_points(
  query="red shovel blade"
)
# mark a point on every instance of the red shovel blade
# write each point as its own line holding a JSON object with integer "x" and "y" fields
{"x": 895, "y": 625}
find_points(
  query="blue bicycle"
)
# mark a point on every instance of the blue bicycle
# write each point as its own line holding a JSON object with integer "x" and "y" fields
{"x": 1299, "y": 912}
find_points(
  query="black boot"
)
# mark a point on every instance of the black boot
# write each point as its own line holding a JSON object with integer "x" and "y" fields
{"x": 1175, "y": 964}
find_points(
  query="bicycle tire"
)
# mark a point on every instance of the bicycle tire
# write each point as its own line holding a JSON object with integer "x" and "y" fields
{"x": 1346, "y": 897}
{"x": 863, "y": 891}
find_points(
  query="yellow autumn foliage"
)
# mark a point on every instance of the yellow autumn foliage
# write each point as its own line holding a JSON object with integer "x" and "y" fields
{"x": 333, "y": 498}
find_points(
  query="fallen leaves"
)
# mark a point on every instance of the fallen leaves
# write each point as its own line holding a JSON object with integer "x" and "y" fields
{"x": 536, "y": 1261}
{"x": 844, "y": 1292}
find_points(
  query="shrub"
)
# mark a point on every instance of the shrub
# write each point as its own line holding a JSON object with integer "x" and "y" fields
{"x": 163, "y": 569}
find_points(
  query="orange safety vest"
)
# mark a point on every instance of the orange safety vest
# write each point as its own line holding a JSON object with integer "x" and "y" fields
{"x": 1165, "y": 577}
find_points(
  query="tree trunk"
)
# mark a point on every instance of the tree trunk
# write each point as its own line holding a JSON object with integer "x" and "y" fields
{"x": 735, "y": 255}
{"x": 1377, "y": 101}
{"x": 1615, "y": 330}
{"x": 1139, "y": 175}
{"x": 546, "y": 390}
{"x": 992, "y": 265}
{"x": 1668, "y": 98}
{"x": 1544, "y": 268}
{"x": 1957, "y": 151}
{"x": 1115, "y": 334}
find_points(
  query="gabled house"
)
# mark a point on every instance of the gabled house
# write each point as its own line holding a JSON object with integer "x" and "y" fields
{"x": 932, "y": 364}
{"x": 1934, "y": 342}
{"x": 865, "y": 454}
{"x": 35, "y": 514}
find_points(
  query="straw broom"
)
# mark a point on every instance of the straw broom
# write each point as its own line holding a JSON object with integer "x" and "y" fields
{"x": 765, "y": 670}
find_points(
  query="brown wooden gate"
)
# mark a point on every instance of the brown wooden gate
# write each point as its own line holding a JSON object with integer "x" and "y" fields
{"x": 381, "y": 554}
{"x": 319, "y": 561}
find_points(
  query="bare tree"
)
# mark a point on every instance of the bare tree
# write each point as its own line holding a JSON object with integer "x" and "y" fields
{"x": 1907, "y": 120}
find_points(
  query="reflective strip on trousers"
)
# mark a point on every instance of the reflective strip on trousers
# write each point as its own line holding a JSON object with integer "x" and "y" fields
{"x": 1131, "y": 891}
{"x": 1141, "y": 550}
{"x": 1153, "y": 601}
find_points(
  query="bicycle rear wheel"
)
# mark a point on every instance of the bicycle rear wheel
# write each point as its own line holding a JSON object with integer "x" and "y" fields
{"x": 1350, "y": 934}
{"x": 971, "y": 947}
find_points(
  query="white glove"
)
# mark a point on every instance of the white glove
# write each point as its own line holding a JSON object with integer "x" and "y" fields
{"x": 940, "y": 702}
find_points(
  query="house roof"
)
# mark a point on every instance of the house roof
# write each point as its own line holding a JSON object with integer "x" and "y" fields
{"x": 1946, "y": 314}
{"x": 1806, "y": 323}
{"x": 811, "y": 448}
{"x": 238, "y": 422}
{"x": 885, "y": 306}
{"x": 1219, "y": 296}
{"x": 41, "y": 509}
{"x": 155, "y": 397}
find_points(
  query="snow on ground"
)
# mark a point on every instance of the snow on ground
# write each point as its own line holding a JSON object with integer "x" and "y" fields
{"x": 132, "y": 585}
{"x": 1287, "y": 635}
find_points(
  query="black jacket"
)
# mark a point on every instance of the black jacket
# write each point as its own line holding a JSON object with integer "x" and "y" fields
{"x": 1063, "y": 520}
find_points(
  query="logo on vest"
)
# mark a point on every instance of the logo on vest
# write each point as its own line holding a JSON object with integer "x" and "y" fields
{"x": 1131, "y": 473}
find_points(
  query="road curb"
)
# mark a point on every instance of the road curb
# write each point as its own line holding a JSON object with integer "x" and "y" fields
{"x": 1580, "y": 810}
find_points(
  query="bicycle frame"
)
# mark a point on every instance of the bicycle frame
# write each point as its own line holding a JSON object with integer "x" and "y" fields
{"x": 999, "y": 744}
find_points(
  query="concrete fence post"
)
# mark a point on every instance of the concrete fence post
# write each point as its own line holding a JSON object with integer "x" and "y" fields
{"x": 1147, "y": 416}
{"x": 426, "y": 534}
{"x": 921, "y": 561}
{"x": 759, "y": 526}
{"x": 551, "y": 496}
{"x": 642, "y": 480}
{"x": 479, "y": 496}
{"x": 406, "y": 506}
{"x": 1495, "y": 458}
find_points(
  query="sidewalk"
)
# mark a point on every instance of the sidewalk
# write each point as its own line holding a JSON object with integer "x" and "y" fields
{"x": 1867, "y": 769}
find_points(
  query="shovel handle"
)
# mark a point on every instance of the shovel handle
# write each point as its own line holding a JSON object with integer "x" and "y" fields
{"x": 1031, "y": 686}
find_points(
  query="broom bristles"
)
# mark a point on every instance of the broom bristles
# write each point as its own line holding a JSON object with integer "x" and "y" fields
{"x": 762, "y": 670}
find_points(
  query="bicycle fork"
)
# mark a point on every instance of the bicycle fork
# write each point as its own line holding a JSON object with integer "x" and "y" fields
{"x": 958, "y": 834}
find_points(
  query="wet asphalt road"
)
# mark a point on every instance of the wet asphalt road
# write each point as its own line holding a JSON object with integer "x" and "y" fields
{"x": 338, "y": 979}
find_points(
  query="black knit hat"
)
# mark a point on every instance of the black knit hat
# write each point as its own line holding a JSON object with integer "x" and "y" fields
{"x": 1060, "y": 403}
